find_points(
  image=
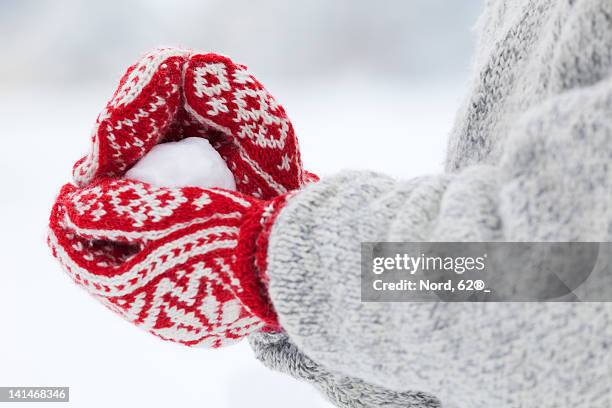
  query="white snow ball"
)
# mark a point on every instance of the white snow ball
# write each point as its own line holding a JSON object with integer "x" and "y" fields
{"x": 191, "y": 162}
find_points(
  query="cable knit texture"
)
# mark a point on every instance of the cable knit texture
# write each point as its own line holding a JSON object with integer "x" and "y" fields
{"x": 529, "y": 159}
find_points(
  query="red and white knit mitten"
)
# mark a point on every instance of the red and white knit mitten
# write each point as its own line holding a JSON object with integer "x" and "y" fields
{"x": 187, "y": 263}
{"x": 171, "y": 94}
{"x": 183, "y": 263}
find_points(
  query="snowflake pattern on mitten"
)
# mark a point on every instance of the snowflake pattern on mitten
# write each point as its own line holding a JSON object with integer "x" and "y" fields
{"x": 181, "y": 263}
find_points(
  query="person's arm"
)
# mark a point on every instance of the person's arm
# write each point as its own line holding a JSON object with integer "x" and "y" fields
{"x": 554, "y": 183}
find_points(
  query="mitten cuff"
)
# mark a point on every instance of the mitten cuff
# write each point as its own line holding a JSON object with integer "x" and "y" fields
{"x": 251, "y": 260}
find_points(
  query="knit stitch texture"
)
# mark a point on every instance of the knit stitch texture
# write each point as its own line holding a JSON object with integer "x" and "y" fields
{"x": 528, "y": 160}
{"x": 180, "y": 262}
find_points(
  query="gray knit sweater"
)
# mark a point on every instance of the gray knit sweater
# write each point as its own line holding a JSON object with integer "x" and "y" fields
{"x": 529, "y": 159}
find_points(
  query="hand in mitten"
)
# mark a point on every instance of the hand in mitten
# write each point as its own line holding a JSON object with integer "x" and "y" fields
{"x": 180, "y": 262}
{"x": 184, "y": 263}
{"x": 171, "y": 94}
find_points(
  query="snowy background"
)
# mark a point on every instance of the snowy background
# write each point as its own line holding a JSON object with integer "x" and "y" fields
{"x": 368, "y": 85}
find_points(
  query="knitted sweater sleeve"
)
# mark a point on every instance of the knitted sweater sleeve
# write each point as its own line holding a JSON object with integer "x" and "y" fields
{"x": 553, "y": 183}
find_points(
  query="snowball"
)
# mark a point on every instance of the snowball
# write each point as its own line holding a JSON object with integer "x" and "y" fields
{"x": 188, "y": 162}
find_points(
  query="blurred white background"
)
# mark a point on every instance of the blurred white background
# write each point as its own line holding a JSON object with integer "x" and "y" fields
{"x": 369, "y": 85}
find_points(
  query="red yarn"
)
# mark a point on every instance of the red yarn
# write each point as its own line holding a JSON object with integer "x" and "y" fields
{"x": 171, "y": 94}
{"x": 180, "y": 262}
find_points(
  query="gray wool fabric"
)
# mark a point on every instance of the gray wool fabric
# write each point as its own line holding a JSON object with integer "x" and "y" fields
{"x": 529, "y": 159}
